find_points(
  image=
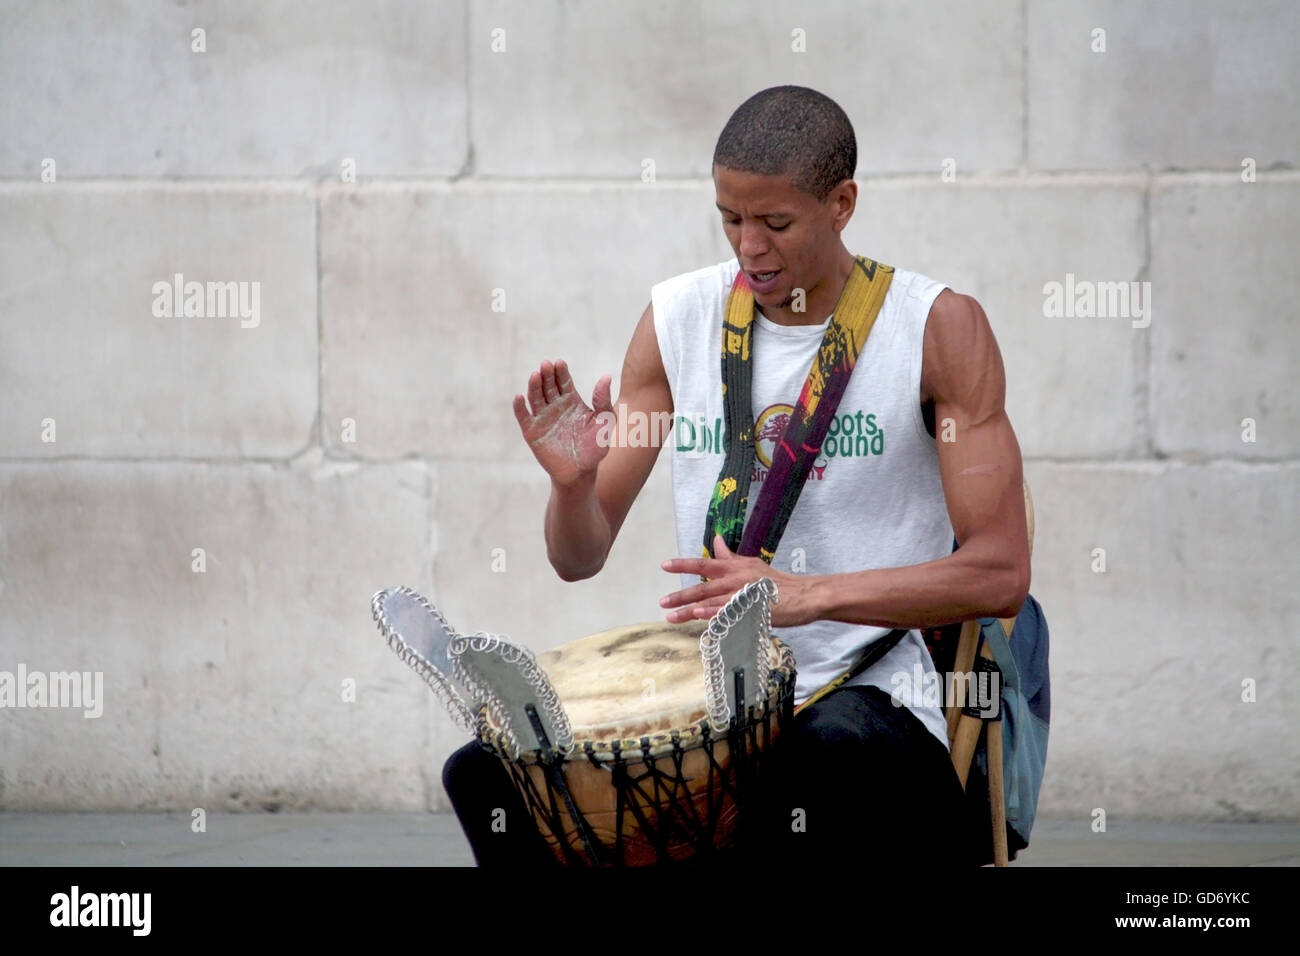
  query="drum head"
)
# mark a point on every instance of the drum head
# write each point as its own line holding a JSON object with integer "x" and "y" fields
{"x": 631, "y": 681}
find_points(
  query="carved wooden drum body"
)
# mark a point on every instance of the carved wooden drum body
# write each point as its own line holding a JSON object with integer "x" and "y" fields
{"x": 651, "y": 778}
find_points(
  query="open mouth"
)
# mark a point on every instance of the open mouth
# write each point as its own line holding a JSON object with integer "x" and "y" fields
{"x": 763, "y": 278}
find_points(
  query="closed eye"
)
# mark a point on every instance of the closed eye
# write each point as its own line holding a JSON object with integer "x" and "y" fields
{"x": 774, "y": 228}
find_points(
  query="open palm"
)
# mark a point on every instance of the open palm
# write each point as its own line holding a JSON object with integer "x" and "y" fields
{"x": 560, "y": 428}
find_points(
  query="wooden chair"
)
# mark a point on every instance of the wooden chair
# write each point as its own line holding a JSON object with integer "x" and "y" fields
{"x": 964, "y": 731}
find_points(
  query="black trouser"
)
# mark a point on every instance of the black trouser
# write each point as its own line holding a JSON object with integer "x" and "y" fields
{"x": 855, "y": 775}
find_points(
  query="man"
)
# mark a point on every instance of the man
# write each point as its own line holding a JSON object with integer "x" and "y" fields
{"x": 919, "y": 451}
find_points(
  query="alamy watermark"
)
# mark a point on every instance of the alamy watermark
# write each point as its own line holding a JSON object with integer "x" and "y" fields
{"x": 129, "y": 910}
{"x": 697, "y": 434}
{"x": 979, "y": 690}
{"x": 208, "y": 300}
{"x": 1085, "y": 299}
{"x": 633, "y": 428}
{"x": 73, "y": 689}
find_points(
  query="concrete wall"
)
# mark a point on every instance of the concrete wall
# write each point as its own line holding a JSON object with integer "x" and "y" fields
{"x": 359, "y": 434}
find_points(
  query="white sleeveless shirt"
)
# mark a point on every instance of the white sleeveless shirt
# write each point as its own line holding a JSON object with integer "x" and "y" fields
{"x": 874, "y": 498}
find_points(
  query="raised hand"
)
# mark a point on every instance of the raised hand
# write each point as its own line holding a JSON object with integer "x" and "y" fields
{"x": 559, "y": 426}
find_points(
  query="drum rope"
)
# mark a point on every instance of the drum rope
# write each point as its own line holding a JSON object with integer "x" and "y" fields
{"x": 654, "y": 792}
{"x": 548, "y": 810}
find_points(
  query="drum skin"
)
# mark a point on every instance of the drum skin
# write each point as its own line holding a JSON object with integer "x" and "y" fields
{"x": 631, "y": 681}
{"x": 642, "y": 686}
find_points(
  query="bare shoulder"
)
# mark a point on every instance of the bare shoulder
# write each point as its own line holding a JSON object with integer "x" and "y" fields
{"x": 961, "y": 360}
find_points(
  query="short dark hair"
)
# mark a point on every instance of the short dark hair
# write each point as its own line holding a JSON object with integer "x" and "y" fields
{"x": 791, "y": 131}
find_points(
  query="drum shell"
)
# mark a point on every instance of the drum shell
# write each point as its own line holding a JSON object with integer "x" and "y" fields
{"x": 710, "y": 805}
{"x": 678, "y": 790}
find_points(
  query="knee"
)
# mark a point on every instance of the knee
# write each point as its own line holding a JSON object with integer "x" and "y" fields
{"x": 464, "y": 764}
{"x": 835, "y": 735}
{"x": 848, "y": 736}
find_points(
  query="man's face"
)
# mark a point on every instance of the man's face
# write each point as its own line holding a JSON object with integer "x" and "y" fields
{"x": 783, "y": 237}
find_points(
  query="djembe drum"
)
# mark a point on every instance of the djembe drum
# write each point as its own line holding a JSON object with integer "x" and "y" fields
{"x": 652, "y": 780}
{"x": 627, "y": 746}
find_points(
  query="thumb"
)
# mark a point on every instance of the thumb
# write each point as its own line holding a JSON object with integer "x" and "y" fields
{"x": 720, "y": 548}
{"x": 600, "y": 397}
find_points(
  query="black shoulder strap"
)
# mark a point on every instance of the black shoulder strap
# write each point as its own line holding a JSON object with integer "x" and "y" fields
{"x": 875, "y": 651}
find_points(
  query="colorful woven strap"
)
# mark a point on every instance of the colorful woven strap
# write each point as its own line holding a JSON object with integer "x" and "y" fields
{"x": 801, "y": 442}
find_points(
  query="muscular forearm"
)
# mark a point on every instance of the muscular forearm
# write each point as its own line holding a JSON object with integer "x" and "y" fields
{"x": 975, "y": 581}
{"x": 577, "y": 532}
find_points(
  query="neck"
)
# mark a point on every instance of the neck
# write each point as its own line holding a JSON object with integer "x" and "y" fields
{"x": 821, "y": 299}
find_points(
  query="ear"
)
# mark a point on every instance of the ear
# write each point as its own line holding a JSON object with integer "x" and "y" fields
{"x": 844, "y": 199}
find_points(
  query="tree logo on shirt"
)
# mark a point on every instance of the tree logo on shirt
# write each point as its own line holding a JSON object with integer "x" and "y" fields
{"x": 768, "y": 430}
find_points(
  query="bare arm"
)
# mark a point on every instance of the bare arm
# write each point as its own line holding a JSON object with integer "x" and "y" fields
{"x": 982, "y": 475}
{"x": 593, "y": 483}
{"x": 962, "y": 373}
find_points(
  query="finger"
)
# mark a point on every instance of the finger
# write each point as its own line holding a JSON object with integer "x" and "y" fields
{"x": 720, "y": 546}
{"x": 693, "y": 613}
{"x": 696, "y": 593}
{"x": 685, "y": 566}
{"x": 600, "y": 396}
{"x": 704, "y": 567}
{"x": 706, "y": 611}
{"x": 536, "y": 398}
{"x": 548, "y": 382}
{"x": 521, "y": 411}
{"x": 563, "y": 380}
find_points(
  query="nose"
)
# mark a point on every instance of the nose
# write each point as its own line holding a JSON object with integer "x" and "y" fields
{"x": 753, "y": 244}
